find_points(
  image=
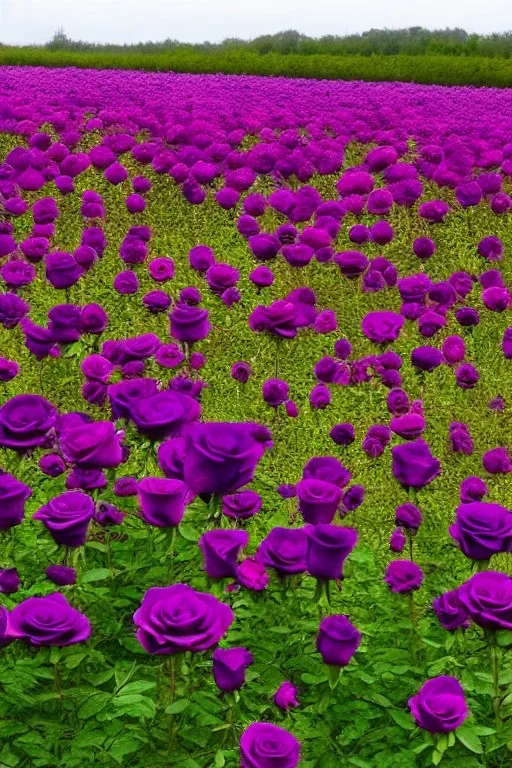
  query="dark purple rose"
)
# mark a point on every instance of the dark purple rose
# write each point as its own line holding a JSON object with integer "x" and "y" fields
{"x": 328, "y": 548}
{"x": 490, "y": 248}
{"x": 9, "y": 581}
{"x": 413, "y": 464}
{"x": 440, "y": 706}
{"x": 162, "y": 501}
{"x": 410, "y": 426}
{"x": 126, "y": 282}
{"x": 285, "y": 550}
{"x": 342, "y": 434}
{"x": 230, "y": 666}
{"x": 398, "y": 402}
{"x": 482, "y": 529}
{"x": 157, "y": 301}
{"x": 430, "y": 322}
{"x": 453, "y": 349}
{"x": 352, "y": 498}
{"x": 86, "y": 479}
{"x": 126, "y": 486}
{"x": 221, "y": 550}
{"x": 467, "y": 376}
{"x": 97, "y": 368}
{"x": 52, "y": 465}
{"x": 241, "y": 505}
{"x": 241, "y": 372}
{"x": 337, "y": 640}
{"x": 171, "y": 455}
{"x": 188, "y": 323}
{"x": 408, "y": 516}
{"x": 467, "y": 317}
{"x": 319, "y": 397}
{"x": 62, "y": 271}
{"x": 177, "y": 619}
{"x": 280, "y": 319}
{"x": 318, "y": 500}
{"x": 221, "y": 276}
{"x": 61, "y": 575}
{"x": 275, "y": 392}
{"x": 12, "y": 310}
{"x": 48, "y": 621}
{"x": 197, "y": 361}
{"x": 164, "y": 414}
{"x": 169, "y": 356}
{"x": 13, "y": 495}
{"x": 327, "y": 468}
{"x": 93, "y": 319}
{"x": 106, "y": 514}
{"x": 473, "y": 489}
{"x": 251, "y": 574}
{"x": 201, "y": 258}
{"x": 67, "y": 517}
{"x": 264, "y": 745}
{"x": 38, "y": 340}
{"x": 382, "y": 327}
{"x": 403, "y": 576}
{"x": 64, "y": 322}
{"x": 487, "y": 597}
{"x": 221, "y": 457}
{"x": 449, "y": 610}
{"x": 286, "y": 696}
{"x": 423, "y": 247}
{"x": 497, "y": 461}
{"x": 262, "y": 277}
{"x": 342, "y": 349}
{"x": 16, "y": 273}
{"x": 95, "y": 445}
{"x": 25, "y": 421}
{"x": 287, "y": 491}
{"x": 426, "y": 358}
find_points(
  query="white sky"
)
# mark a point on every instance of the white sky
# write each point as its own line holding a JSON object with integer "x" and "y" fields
{"x": 35, "y": 21}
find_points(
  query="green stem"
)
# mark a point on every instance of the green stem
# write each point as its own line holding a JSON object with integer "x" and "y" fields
{"x": 172, "y": 695}
{"x": 172, "y": 544}
{"x": 495, "y": 661}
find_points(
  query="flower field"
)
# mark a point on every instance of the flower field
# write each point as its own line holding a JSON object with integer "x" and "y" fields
{"x": 256, "y": 359}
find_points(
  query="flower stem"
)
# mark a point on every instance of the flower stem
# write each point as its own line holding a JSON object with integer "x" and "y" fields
{"x": 172, "y": 544}
{"x": 495, "y": 662}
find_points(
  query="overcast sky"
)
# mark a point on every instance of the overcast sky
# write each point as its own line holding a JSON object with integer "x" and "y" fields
{"x": 35, "y": 21}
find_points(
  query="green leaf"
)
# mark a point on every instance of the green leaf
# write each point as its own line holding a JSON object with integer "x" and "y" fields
{"x": 94, "y": 704}
{"x": 122, "y": 746}
{"x": 504, "y": 638}
{"x": 96, "y": 574}
{"x": 220, "y": 760}
{"x": 189, "y": 532}
{"x": 313, "y": 679}
{"x": 402, "y": 719}
{"x": 437, "y": 756}
{"x": 139, "y": 686}
{"x": 177, "y": 706}
{"x": 135, "y": 705}
{"x": 467, "y": 736}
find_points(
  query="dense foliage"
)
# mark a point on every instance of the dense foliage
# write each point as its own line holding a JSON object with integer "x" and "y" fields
{"x": 324, "y": 269}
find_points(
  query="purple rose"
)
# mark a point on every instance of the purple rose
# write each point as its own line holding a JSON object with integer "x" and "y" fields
{"x": 413, "y": 464}
{"x": 230, "y": 666}
{"x": 241, "y": 505}
{"x": 63, "y": 323}
{"x": 97, "y": 368}
{"x": 61, "y": 575}
{"x": 52, "y": 465}
{"x": 473, "y": 489}
{"x": 487, "y": 597}
{"x": 12, "y": 310}
{"x": 125, "y": 486}
{"x": 453, "y": 349}
{"x": 13, "y": 495}
{"x": 426, "y": 358}
{"x": 9, "y": 369}
{"x": 126, "y": 282}
{"x": 318, "y": 500}
{"x": 221, "y": 549}
{"x": 262, "y": 277}
{"x": 67, "y": 517}
{"x": 177, "y": 619}
{"x": 162, "y": 501}
{"x": 222, "y": 457}
{"x": 25, "y": 421}
{"x": 9, "y": 581}
{"x": 188, "y": 323}
{"x": 403, "y": 576}
{"x": 285, "y": 550}
{"x": 287, "y": 491}
{"x": 440, "y": 706}
{"x": 286, "y": 696}
{"x": 280, "y": 319}
{"x": 169, "y": 356}
{"x": 275, "y": 392}
{"x": 221, "y": 276}
{"x": 157, "y": 301}
{"x": 382, "y": 327}
{"x": 482, "y": 529}
{"x": 241, "y": 372}
{"x": 93, "y": 319}
{"x": 398, "y": 402}
{"x": 497, "y": 461}
{"x": 467, "y": 376}
{"x": 328, "y": 548}
{"x": 164, "y": 414}
{"x": 351, "y": 263}
{"x": 201, "y": 258}
{"x": 327, "y": 468}
{"x": 264, "y": 745}
{"x": 467, "y": 317}
{"x": 95, "y": 445}
{"x": 397, "y": 541}
{"x": 352, "y": 498}
{"x": 342, "y": 434}
{"x": 337, "y": 640}
{"x": 106, "y": 514}
{"x": 62, "y": 271}
{"x": 461, "y": 441}
{"x": 251, "y": 574}
{"x": 48, "y": 621}
{"x": 408, "y": 516}
{"x": 86, "y": 479}
{"x": 161, "y": 269}
{"x": 320, "y": 397}
{"x": 451, "y": 613}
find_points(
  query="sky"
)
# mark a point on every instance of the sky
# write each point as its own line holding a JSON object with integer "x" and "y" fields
{"x": 125, "y": 21}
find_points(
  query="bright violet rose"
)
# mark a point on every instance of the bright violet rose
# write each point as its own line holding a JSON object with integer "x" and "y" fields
{"x": 13, "y": 495}
{"x": 230, "y": 666}
{"x": 327, "y": 468}
{"x": 487, "y": 597}
{"x": 67, "y": 517}
{"x": 61, "y": 575}
{"x": 96, "y": 444}
{"x": 162, "y": 501}
{"x": 408, "y": 516}
{"x": 286, "y": 696}
{"x": 382, "y": 327}
{"x": 48, "y": 621}
{"x": 449, "y": 610}
{"x": 241, "y": 505}
{"x": 171, "y": 455}
{"x": 328, "y": 548}
{"x": 397, "y": 541}
{"x": 482, "y": 529}
{"x": 222, "y": 457}
{"x": 264, "y": 745}
{"x": 164, "y": 414}
{"x": 440, "y": 706}
{"x": 318, "y": 500}
{"x": 403, "y": 576}
{"x": 25, "y": 421}
{"x": 188, "y": 323}
{"x": 177, "y": 619}
{"x": 473, "y": 488}
{"x": 221, "y": 549}
{"x": 413, "y": 464}
{"x": 337, "y": 640}
{"x": 251, "y": 574}
{"x": 285, "y": 550}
